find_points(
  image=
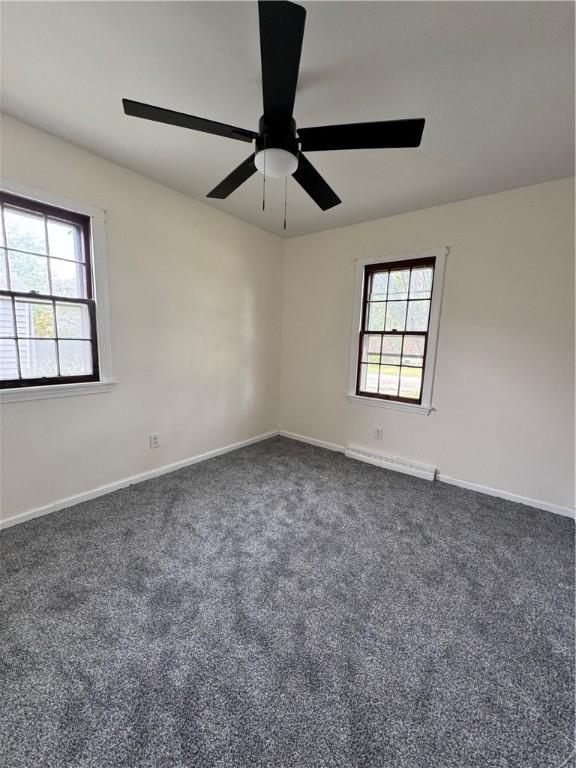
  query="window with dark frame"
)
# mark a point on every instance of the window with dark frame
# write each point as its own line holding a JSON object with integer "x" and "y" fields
{"x": 394, "y": 329}
{"x": 47, "y": 306}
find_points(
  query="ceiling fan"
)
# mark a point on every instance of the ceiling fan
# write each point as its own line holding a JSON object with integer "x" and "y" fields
{"x": 279, "y": 143}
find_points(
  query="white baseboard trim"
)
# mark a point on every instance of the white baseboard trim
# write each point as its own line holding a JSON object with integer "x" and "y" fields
{"x": 546, "y": 506}
{"x": 395, "y": 464}
{"x": 102, "y": 490}
{"x": 536, "y": 504}
{"x": 424, "y": 471}
{"x": 312, "y": 441}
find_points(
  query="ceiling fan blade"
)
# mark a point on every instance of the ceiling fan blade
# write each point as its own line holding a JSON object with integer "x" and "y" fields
{"x": 311, "y": 181}
{"x": 168, "y": 116}
{"x": 234, "y": 179}
{"x": 383, "y": 135}
{"x": 281, "y": 35}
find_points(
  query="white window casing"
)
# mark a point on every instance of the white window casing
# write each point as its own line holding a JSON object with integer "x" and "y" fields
{"x": 427, "y": 385}
{"x": 100, "y": 290}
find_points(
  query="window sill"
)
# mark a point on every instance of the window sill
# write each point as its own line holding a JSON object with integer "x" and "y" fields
{"x": 423, "y": 409}
{"x": 55, "y": 390}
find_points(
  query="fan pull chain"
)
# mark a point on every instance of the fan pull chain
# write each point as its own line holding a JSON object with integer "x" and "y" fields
{"x": 264, "y": 186}
{"x": 285, "y": 198}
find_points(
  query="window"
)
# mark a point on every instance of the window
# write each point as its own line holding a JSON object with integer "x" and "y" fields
{"x": 396, "y": 326}
{"x": 48, "y": 330}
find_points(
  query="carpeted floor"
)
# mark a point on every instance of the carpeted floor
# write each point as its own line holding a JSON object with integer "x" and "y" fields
{"x": 284, "y": 606}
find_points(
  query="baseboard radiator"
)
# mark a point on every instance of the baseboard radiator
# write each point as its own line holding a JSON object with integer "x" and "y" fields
{"x": 424, "y": 471}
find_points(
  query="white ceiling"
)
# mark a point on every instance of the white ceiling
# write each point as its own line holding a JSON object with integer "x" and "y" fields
{"x": 494, "y": 80}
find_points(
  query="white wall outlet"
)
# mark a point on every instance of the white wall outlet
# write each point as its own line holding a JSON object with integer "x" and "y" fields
{"x": 378, "y": 433}
{"x": 154, "y": 439}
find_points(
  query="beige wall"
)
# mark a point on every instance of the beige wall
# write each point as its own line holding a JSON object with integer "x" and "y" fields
{"x": 504, "y": 385}
{"x": 195, "y": 316}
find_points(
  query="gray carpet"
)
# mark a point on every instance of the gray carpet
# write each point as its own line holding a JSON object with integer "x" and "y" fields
{"x": 284, "y": 606}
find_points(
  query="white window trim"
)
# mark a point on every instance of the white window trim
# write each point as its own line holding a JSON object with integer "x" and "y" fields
{"x": 427, "y": 386}
{"x": 100, "y": 283}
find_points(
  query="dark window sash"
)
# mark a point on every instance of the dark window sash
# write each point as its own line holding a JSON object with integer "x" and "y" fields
{"x": 83, "y": 222}
{"x": 369, "y": 271}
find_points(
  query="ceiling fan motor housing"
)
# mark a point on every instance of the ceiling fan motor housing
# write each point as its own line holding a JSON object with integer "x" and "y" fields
{"x": 277, "y": 132}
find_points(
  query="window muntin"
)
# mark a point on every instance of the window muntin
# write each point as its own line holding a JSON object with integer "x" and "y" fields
{"x": 394, "y": 331}
{"x": 47, "y": 307}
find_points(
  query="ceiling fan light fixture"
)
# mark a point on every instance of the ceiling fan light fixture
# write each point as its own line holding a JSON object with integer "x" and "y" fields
{"x": 275, "y": 162}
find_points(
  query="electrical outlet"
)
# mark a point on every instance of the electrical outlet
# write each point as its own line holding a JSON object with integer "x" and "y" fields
{"x": 378, "y": 433}
{"x": 154, "y": 439}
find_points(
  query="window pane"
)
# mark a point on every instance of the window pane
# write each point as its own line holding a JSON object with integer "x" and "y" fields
{"x": 34, "y": 318}
{"x": 371, "y": 349}
{"x": 376, "y": 314}
{"x": 73, "y": 321}
{"x": 6, "y": 318}
{"x": 75, "y": 358}
{"x": 410, "y": 382}
{"x": 413, "y": 350}
{"x": 3, "y": 276}
{"x": 389, "y": 376}
{"x": 28, "y": 273}
{"x": 398, "y": 285}
{"x": 391, "y": 348}
{"x": 37, "y": 358}
{"x": 379, "y": 286}
{"x": 396, "y": 316}
{"x": 64, "y": 240}
{"x": 8, "y": 360}
{"x": 25, "y": 231}
{"x": 421, "y": 283}
{"x": 369, "y": 378}
{"x": 67, "y": 278}
{"x": 418, "y": 312}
